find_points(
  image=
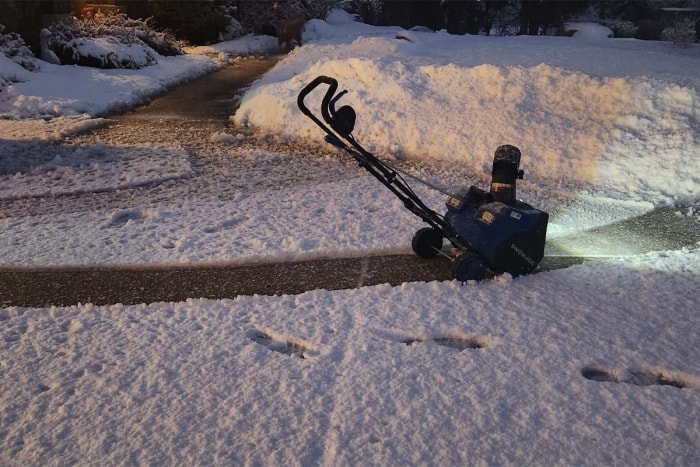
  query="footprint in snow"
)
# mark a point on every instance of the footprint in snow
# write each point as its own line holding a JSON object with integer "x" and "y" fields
{"x": 224, "y": 225}
{"x": 120, "y": 218}
{"x": 286, "y": 347}
{"x": 639, "y": 377}
{"x": 455, "y": 342}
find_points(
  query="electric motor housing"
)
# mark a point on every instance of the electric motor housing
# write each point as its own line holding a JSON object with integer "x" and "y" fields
{"x": 510, "y": 237}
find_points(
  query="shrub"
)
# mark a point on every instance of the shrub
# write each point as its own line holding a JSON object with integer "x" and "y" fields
{"x": 621, "y": 27}
{"x": 319, "y": 9}
{"x": 233, "y": 28}
{"x": 261, "y": 16}
{"x": 681, "y": 34}
{"x": 91, "y": 41}
{"x": 199, "y": 22}
{"x": 121, "y": 26}
{"x": 13, "y": 47}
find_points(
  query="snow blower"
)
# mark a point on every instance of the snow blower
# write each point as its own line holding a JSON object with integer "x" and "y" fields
{"x": 492, "y": 231}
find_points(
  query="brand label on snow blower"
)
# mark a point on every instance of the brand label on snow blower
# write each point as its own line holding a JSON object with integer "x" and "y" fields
{"x": 522, "y": 254}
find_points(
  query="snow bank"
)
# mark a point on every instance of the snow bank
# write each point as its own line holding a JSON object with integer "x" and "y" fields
{"x": 590, "y": 31}
{"x": 592, "y": 131}
{"x": 62, "y": 91}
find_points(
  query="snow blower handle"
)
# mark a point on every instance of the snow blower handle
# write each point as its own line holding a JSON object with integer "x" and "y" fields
{"x": 341, "y": 121}
{"x": 325, "y": 105}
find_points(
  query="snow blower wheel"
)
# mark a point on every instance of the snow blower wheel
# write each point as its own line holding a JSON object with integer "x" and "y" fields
{"x": 427, "y": 242}
{"x": 469, "y": 267}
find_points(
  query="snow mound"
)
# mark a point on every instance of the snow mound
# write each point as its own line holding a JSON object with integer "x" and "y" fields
{"x": 589, "y": 30}
{"x": 570, "y": 126}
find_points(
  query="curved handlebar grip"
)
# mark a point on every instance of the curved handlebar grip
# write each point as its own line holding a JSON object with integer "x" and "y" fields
{"x": 333, "y": 86}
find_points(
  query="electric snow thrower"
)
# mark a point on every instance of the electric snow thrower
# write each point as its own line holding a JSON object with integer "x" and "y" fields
{"x": 492, "y": 231}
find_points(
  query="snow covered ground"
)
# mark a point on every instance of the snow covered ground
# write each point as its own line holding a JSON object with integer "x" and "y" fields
{"x": 596, "y": 364}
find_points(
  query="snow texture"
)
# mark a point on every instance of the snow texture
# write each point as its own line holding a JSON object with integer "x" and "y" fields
{"x": 596, "y": 364}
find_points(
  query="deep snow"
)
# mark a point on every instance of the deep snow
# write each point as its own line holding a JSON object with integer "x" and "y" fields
{"x": 596, "y": 364}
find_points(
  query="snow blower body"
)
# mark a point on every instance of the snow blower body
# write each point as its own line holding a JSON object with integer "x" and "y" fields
{"x": 492, "y": 231}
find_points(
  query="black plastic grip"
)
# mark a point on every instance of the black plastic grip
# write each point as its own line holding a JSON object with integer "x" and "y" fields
{"x": 325, "y": 105}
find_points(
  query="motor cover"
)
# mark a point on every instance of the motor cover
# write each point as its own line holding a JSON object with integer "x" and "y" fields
{"x": 510, "y": 237}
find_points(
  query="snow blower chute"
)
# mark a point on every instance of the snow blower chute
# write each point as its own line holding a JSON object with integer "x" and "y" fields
{"x": 492, "y": 231}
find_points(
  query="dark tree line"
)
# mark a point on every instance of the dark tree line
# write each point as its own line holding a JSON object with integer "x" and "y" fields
{"x": 199, "y": 20}
{"x": 481, "y": 17}
{"x": 204, "y": 21}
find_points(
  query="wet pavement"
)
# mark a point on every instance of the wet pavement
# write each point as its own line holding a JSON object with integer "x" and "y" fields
{"x": 661, "y": 229}
{"x": 106, "y": 285}
{"x": 44, "y": 287}
{"x": 211, "y": 97}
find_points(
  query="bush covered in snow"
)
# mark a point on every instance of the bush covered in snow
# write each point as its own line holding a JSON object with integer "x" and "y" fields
{"x": 14, "y": 48}
{"x": 15, "y": 58}
{"x": 681, "y": 34}
{"x": 621, "y": 27}
{"x": 109, "y": 40}
{"x": 121, "y": 26}
{"x": 232, "y": 28}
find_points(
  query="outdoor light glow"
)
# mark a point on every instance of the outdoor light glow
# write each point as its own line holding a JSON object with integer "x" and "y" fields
{"x": 660, "y": 228}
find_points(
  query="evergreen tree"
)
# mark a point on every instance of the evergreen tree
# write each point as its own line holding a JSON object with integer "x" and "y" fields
{"x": 539, "y": 16}
{"x": 199, "y": 22}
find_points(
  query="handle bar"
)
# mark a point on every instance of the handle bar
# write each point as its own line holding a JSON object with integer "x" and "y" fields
{"x": 380, "y": 170}
{"x": 325, "y": 104}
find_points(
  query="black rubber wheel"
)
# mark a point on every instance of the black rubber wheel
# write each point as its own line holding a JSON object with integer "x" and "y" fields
{"x": 469, "y": 268}
{"x": 427, "y": 242}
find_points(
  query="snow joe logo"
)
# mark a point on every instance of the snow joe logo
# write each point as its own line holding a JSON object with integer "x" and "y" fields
{"x": 522, "y": 254}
